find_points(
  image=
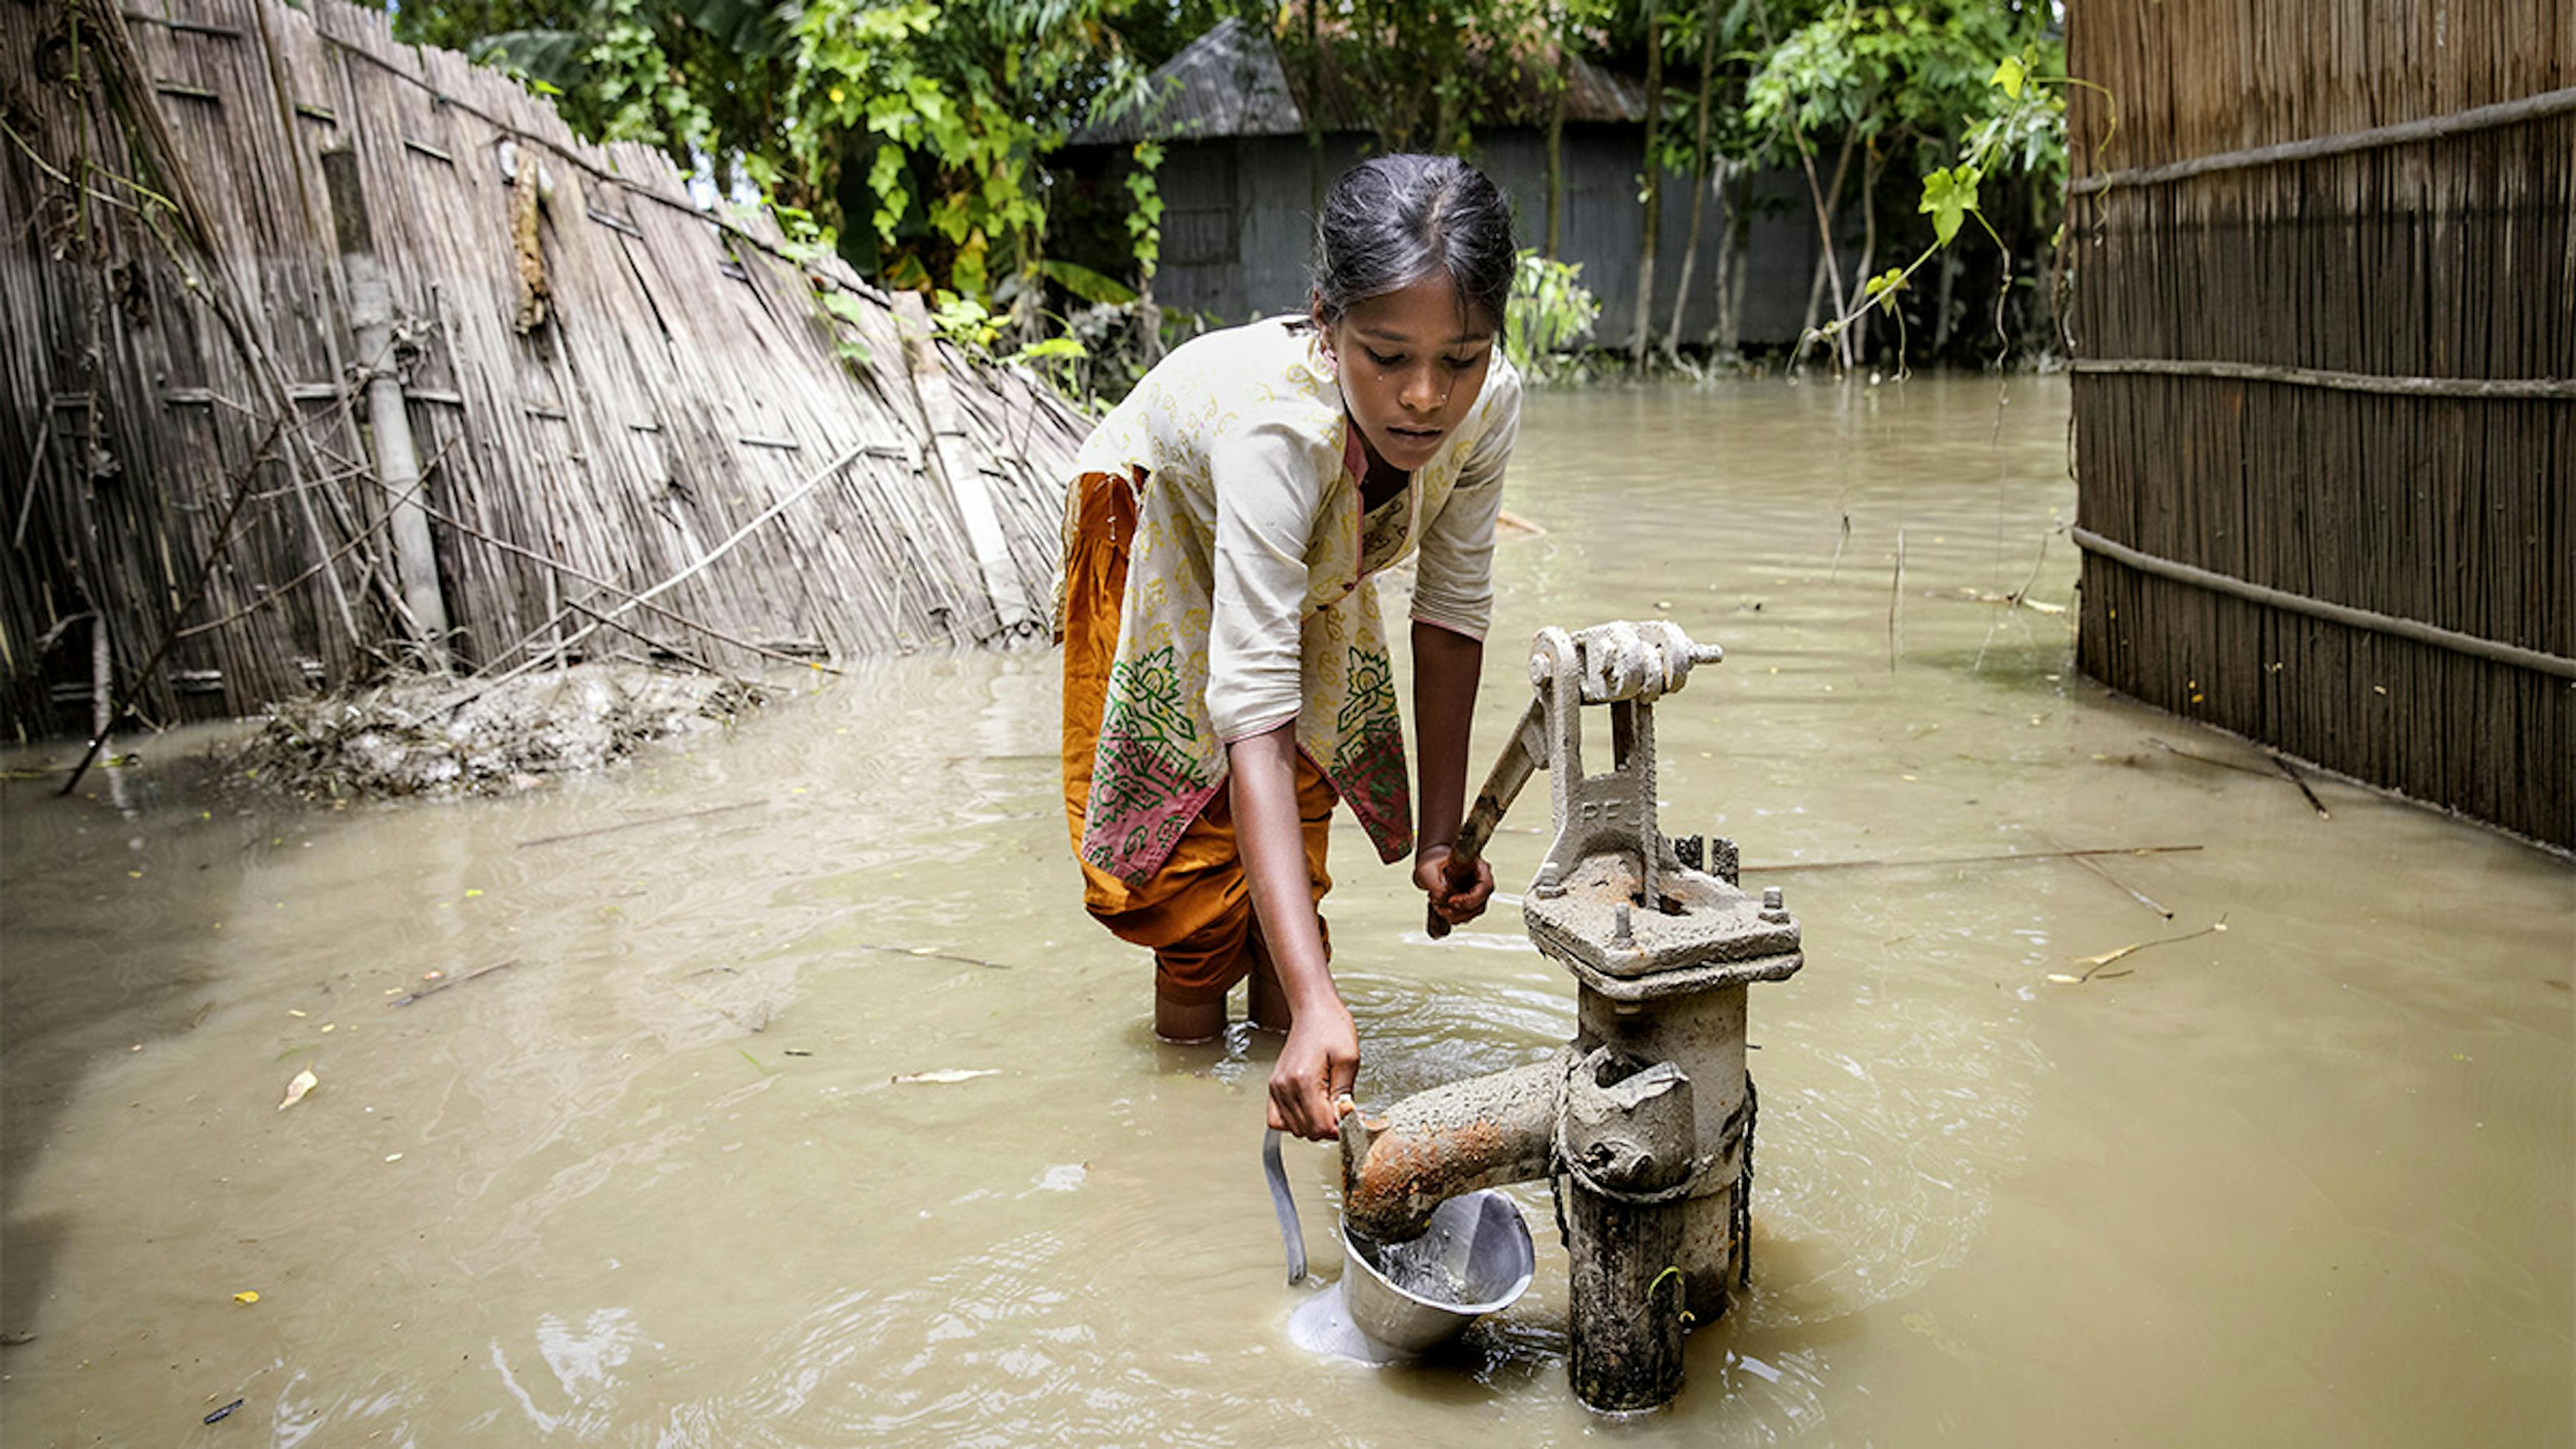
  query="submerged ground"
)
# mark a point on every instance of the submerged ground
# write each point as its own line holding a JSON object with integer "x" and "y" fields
{"x": 702, "y": 1161}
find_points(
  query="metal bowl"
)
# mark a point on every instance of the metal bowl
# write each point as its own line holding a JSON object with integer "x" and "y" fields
{"x": 1475, "y": 1258}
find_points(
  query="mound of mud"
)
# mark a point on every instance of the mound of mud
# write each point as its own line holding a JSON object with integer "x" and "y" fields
{"x": 412, "y": 737}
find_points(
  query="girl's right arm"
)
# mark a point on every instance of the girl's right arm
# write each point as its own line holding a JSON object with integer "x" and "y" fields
{"x": 1321, "y": 1058}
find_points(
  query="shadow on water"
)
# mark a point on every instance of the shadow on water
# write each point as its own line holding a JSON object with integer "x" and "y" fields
{"x": 106, "y": 977}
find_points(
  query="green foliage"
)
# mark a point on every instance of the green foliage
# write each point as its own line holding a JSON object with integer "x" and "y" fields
{"x": 1918, "y": 74}
{"x": 1883, "y": 288}
{"x": 1059, "y": 359}
{"x": 556, "y": 60}
{"x": 963, "y": 320}
{"x": 846, "y": 308}
{"x": 1145, "y": 216}
{"x": 2010, "y": 73}
{"x": 1949, "y": 196}
{"x": 1969, "y": 91}
{"x": 1549, "y": 314}
{"x": 2028, "y": 133}
{"x": 1086, "y": 284}
{"x": 1051, "y": 349}
{"x": 645, "y": 95}
{"x": 910, "y": 135}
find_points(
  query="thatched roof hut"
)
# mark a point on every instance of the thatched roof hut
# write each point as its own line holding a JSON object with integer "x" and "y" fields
{"x": 636, "y": 424}
{"x": 1231, "y": 82}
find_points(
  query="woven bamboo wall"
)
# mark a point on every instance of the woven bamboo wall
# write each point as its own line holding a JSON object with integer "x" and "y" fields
{"x": 2343, "y": 376}
{"x": 686, "y": 380}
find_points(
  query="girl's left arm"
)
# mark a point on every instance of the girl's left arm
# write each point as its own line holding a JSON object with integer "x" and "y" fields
{"x": 1452, "y": 603}
{"x": 1446, "y": 665}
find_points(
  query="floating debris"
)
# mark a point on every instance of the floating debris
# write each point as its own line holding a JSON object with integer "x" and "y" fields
{"x": 444, "y": 983}
{"x": 2093, "y": 964}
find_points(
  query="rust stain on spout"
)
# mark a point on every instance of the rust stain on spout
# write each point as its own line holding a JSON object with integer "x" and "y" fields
{"x": 1430, "y": 1147}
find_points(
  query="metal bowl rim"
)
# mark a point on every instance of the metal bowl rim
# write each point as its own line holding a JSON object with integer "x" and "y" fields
{"x": 1351, "y": 1254}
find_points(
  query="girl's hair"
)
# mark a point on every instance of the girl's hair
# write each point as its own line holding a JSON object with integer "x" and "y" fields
{"x": 1393, "y": 220}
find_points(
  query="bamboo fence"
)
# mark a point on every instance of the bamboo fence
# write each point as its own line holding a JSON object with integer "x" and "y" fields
{"x": 640, "y": 427}
{"x": 2325, "y": 395}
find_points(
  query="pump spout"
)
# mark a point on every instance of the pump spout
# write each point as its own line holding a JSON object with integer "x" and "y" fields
{"x": 1432, "y": 1146}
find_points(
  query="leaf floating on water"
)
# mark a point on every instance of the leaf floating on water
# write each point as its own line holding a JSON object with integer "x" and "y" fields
{"x": 947, "y": 1075}
{"x": 247, "y": 1295}
{"x": 2062, "y": 979}
{"x": 2107, "y": 957}
{"x": 304, "y": 1082}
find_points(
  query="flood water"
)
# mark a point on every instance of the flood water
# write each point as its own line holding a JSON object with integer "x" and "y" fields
{"x": 662, "y": 1179}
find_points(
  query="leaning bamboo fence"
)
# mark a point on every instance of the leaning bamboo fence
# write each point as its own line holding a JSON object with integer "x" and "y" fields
{"x": 2325, "y": 399}
{"x": 639, "y": 425}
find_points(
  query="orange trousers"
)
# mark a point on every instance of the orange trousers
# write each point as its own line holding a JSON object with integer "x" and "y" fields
{"x": 1195, "y": 913}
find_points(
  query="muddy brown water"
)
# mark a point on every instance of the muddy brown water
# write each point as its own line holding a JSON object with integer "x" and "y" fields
{"x": 2306, "y": 1180}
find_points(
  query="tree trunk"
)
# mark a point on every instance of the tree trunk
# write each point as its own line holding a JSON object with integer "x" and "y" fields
{"x": 1869, "y": 172}
{"x": 1743, "y": 272}
{"x": 1654, "y": 184}
{"x": 1556, "y": 155}
{"x": 1815, "y": 304}
{"x": 1829, "y": 205}
{"x": 1314, "y": 118}
{"x": 1699, "y": 183}
{"x": 1726, "y": 339}
{"x": 1690, "y": 263}
{"x": 1149, "y": 321}
{"x": 1941, "y": 306}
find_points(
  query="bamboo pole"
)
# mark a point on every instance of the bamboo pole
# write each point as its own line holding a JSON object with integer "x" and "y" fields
{"x": 2389, "y": 386}
{"x": 2431, "y": 128}
{"x": 2370, "y": 619}
{"x": 371, "y": 317}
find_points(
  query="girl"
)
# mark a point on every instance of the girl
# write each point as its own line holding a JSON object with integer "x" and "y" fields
{"x": 1226, "y": 676}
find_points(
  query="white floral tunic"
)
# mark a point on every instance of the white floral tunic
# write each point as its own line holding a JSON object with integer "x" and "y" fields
{"x": 1250, "y": 596}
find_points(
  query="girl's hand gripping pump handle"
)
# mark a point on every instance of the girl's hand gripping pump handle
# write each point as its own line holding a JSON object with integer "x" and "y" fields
{"x": 1510, "y": 773}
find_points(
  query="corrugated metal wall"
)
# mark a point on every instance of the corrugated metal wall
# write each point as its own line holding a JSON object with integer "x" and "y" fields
{"x": 1262, "y": 188}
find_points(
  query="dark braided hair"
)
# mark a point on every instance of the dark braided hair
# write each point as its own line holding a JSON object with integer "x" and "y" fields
{"x": 1393, "y": 220}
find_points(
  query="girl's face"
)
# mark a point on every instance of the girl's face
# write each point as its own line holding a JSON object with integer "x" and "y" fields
{"x": 1411, "y": 363}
